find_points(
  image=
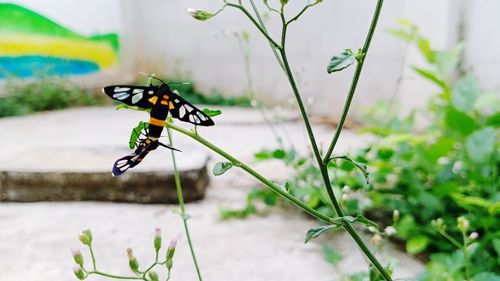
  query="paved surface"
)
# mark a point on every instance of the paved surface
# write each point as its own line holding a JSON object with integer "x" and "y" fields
{"x": 35, "y": 238}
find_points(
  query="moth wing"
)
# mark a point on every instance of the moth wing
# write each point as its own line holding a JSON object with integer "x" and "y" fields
{"x": 185, "y": 111}
{"x": 123, "y": 164}
{"x": 132, "y": 95}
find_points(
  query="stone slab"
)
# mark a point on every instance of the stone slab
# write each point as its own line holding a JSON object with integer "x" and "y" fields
{"x": 43, "y": 158}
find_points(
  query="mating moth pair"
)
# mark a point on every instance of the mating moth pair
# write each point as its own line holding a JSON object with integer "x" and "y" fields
{"x": 161, "y": 100}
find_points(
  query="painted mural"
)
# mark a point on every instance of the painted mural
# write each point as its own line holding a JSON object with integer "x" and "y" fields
{"x": 32, "y": 45}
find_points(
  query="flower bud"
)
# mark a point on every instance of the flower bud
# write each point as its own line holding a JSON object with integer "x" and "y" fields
{"x": 79, "y": 272}
{"x": 157, "y": 241}
{"x": 390, "y": 230}
{"x": 473, "y": 236}
{"x": 199, "y": 14}
{"x": 153, "y": 276}
{"x": 376, "y": 240}
{"x": 395, "y": 216}
{"x": 77, "y": 256}
{"x": 132, "y": 261}
{"x": 463, "y": 224}
{"x": 171, "y": 249}
{"x": 86, "y": 237}
{"x": 170, "y": 263}
{"x": 439, "y": 224}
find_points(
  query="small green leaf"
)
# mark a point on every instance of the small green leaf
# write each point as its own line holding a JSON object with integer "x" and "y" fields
{"x": 136, "y": 133}
{"x": 211, "y": 113}
{"x": 317, "y": 231}
{"x": 417, "y": 244}
{"x": 481, "y": 144}
{"x": 459, "y": 121}
{"x": 361, "y": 166}
{"x": 342, "y": 61}
{"x": 221, "y": 167}
{"x": 465, "y": 93}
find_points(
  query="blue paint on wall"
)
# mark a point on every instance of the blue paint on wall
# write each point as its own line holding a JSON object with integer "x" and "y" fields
{"x": 29, "y": 66}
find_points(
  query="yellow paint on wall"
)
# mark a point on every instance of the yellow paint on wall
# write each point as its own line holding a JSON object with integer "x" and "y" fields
{"x": 19, "y": 45}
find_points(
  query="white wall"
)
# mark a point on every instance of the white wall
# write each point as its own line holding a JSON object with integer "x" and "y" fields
{"x": 162, "y": 38}
{"x": 85, "y": 17}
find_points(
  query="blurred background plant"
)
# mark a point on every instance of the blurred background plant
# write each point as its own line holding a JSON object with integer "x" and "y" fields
{"x": 44, "y": 93}
{"x": 446, "y": 171}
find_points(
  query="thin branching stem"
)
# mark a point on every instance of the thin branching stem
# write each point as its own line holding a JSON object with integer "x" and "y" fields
{"x": 323, "y": 164}
{"x": 116, "y": 276}
{"x": 184, "y": 215}
{"x": 355, "y": 80}
{"x": 252, "y": 172}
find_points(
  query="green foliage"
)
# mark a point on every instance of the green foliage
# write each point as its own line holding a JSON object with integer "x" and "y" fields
{"x": 446, "y": 171}
{"x": 341, "y": 61}
{"x": 44, "y": 94}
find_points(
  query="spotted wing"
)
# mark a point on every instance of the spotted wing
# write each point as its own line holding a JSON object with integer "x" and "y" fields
{"x": 123, "y": 164}
{"x": 185, "y": 111}
{"x": 132, "y": 95}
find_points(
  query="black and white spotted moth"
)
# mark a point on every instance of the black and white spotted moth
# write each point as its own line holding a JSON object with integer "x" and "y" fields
{"x": 161, "y": 100}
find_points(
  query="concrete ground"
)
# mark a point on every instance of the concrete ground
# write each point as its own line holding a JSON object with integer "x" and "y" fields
{"x": 36, "y": 238}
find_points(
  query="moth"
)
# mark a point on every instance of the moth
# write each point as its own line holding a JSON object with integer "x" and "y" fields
{"x": 162, "y": 101}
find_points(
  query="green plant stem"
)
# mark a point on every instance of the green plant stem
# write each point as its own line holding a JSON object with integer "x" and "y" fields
{"x": 355, "y": 80}
{"x": 449, "y": 238}
{"x": 323, "y": 164}
{"x": 252, "y": 172}
{"x": 92, "y": 256}
{"x": 326, "y": 179}
{"x": 466, "y": 255}
{"x": 261, "y": 22}
{"x": 183, "y": 207}
{"x": 115, "y": 276}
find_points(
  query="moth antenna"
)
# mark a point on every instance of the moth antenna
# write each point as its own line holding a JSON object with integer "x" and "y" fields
{"x": 179, "y": 83}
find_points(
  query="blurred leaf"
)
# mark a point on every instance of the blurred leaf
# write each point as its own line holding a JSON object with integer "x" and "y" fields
{"x": 417, "y": 244}
{"x": 465, "y": 92}
{"x": 459, "y": 121}
{"x": 341, "y": 61}
{"x": 433, "y": 77}
{"x": 212, "y": 113}
{"x": 221, "y": 167}
{"x": 481, "y": 144}
{"x": 331, "y": 256}
{"x": 494, "y": 120}
{"x": 486, "y": 276}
